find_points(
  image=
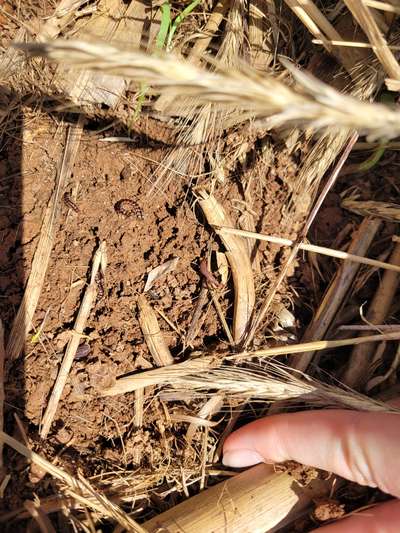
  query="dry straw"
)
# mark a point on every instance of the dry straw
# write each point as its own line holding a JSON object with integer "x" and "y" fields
{"x": 23, "y": 321}
{"x": 152, "y": 333}
{"x": 358, "y": 366}
{"x": 365, "y": 18}
{"x": 319, "y": 26}
{"x": 315, "y": 104}
{"x": 384, "y": 210}
{"x": 99, "y": 261}
{"x": 79, "y": 489}
{"x": 259, "y": 496}
{"x": 273, "y": 382}
{"x": 337, "y": 293}
{"x": 236, "y": 253}
{"x": 158, "y": 348}
{"x": 173, "y": 373}
{"x": 308, "y": 248}
{"x": 2, "y": 394}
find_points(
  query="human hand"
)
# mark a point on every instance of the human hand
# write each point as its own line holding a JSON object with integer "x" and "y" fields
{"x": 362, "y": 447}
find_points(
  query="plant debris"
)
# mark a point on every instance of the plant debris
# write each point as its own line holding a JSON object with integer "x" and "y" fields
{"x": 199, "y": 227}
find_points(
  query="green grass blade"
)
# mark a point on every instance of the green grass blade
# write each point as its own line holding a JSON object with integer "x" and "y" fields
{"x": 373, "y": 159}
{"x": 164, "y": 26}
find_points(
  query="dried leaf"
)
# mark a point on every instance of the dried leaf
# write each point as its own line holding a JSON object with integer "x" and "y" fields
{"x": 152, "y": 333}
{"x": 160, "y": 271}
{"x": 286, "y": 319}
{"x": 223, "y": 267}
{"x": 237, "y": 255}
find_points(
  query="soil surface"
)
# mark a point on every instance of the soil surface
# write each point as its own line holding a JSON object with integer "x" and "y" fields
{"x": 146, "y": 465}
{"x": 93, "y": 433}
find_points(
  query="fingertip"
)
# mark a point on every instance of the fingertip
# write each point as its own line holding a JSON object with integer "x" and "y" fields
{"x": 263, "y": 437}
{"x": 241, "y": 458}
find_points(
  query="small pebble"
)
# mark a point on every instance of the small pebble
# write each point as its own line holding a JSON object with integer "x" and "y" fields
{"x": 82, "y": 351}
{"x": 126, "y": 172}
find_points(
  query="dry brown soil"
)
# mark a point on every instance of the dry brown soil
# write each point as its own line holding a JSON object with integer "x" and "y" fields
{"x": 91, "y": 432}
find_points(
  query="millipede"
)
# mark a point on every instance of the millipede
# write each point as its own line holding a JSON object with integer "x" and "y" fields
{"x": 99, "y": 278}
{"x": 129, "y": 208}
{"x": 70, "y": 203}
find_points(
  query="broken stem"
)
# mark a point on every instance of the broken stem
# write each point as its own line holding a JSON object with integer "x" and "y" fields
{"x": 310, "y": 248}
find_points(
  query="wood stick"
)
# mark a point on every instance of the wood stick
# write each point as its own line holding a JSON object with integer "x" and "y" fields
{"x": 76, "y": 334}
{"x": 336, "y": 293}
{"x": 258, "y": 497}
{"x": 311, "y": 248}
{"x": 356, "y": 373}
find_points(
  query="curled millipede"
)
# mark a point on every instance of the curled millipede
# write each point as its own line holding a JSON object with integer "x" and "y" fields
{"x": 69, "y": 202}
{"x": 128, "y": 208}
{"x": 99, "y": 278}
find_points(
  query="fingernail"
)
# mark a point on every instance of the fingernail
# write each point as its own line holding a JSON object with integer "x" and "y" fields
{"x": 241, "y": 458}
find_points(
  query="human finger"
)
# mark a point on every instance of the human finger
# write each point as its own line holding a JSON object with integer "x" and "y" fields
{"x": 359, "y": 446}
